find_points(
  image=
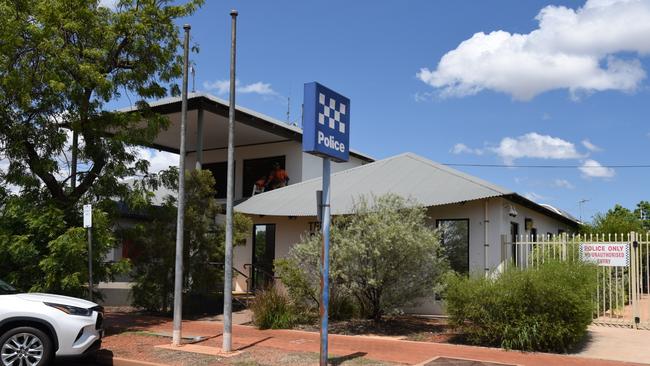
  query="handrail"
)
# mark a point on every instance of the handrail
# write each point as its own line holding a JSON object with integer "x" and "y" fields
{"x": 249, "y": 277}
{"x": 246, "y": 277}
{"x": 233, "y": 268}
{"x": 260, "y": 269}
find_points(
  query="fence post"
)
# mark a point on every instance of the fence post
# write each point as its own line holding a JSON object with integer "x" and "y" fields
{"x": 635, "y": 279}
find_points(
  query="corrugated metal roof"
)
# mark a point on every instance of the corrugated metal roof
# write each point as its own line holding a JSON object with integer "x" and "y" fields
{"x": 407, "y": 175}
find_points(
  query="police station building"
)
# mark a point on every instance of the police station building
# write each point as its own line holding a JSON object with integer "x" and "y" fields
{"x": 276, "y": 184}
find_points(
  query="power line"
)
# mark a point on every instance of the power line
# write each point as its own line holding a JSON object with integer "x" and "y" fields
{"x": 640, "y": 166}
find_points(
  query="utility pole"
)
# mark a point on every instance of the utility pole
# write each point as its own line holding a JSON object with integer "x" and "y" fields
{"x": 180, "y": 215}
{"x": 227, "y": 274}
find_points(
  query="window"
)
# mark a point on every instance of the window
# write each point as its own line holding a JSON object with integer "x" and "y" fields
{"x": 454, "y": 236}
{"x": 266, "y": 173}
{"x": 263, "y": 255}
{"x": 220, "y": 173}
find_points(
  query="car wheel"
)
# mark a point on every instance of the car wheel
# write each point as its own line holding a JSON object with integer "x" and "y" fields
{"x": 25, "y": 346}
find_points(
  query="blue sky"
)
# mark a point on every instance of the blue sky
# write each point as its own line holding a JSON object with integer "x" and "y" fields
{"x": 572, "y": 92}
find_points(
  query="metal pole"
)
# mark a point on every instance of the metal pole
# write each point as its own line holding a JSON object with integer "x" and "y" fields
{"x": 325, "y": 263}
{"x": 90, "y": 263}
{"x": 227, "y": 286}
{"x": 180, "y": 216}
{"x": 486, "y": 245}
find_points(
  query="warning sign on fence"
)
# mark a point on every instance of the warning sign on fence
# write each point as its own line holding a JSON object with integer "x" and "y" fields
{"x": 606, "y": 254}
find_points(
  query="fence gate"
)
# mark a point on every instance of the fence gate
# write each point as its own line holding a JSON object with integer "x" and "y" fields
{"x": 623, "y": 294}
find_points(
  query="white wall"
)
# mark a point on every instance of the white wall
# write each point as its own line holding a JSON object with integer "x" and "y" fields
{"x": 287, "y": 233}
{"x": 291, "y": 150}
{"x": 499, "y": 224}
{"x": 300, "y": 166}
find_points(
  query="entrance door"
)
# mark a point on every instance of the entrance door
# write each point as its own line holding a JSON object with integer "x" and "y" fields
{"x": 263, "y": 255}
{"x": 514, "y": 233}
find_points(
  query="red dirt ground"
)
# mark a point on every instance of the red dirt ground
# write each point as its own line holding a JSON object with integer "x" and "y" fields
{"x": 274, "y": 346}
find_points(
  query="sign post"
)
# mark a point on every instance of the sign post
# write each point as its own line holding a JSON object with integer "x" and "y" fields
{"x": 88, "y": 224}
{"x": 326, "y": 133}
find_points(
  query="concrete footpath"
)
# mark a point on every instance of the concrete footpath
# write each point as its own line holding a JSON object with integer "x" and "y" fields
{"x": 247, "y": 338}
{"x": 622, "y": 344}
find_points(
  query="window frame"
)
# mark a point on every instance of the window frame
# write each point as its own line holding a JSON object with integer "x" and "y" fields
{"x": 439, "y": 221}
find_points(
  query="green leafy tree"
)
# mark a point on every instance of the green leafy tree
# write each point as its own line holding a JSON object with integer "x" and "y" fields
{"x": 61, "y": 62}
{"x": 38, "y": 252}
{"x": 155, "y": 243}
{"x": 384, "y": 255}
{"x": 618, "y": 220}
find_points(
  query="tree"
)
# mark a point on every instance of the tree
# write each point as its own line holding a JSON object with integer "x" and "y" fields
{"x": 384, "y": 254}
{"x": 618, "y": 220}
{"x": 39, "y": 253}
{"x": 155, "y": 243}
{"x": 61, "y": 61}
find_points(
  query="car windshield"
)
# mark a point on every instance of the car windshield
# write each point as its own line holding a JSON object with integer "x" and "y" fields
{"x": 6, "y": 289}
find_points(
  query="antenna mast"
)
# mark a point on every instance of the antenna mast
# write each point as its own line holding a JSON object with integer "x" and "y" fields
{"x": 288, "y": 110}
{"x": 580, "y": 204}
{"x": 193, "y": 71}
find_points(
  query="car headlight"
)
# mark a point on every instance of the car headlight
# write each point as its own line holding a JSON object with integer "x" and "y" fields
{"x": 72, "y": 310}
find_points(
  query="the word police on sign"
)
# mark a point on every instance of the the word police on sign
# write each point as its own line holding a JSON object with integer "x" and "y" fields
{"x": 326, "y": 123}
{"x": 606, "y": 254}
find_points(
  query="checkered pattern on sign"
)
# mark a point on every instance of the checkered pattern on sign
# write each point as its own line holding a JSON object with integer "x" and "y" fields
{"x": 331, "y": 113}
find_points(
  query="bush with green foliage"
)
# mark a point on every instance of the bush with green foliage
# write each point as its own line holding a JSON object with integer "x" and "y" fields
{"x": 39, "y": 252}
{"x": 384, "y": 256}
{"x": 204, "y": 239}
{"x": 272, "y": 309}
{"x": 543, "y": 309}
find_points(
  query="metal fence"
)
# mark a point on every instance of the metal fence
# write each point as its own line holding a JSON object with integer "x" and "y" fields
{"x": 623, "y": 294}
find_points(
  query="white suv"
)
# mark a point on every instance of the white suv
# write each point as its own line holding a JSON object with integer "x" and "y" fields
{"x": 36, "y": 327}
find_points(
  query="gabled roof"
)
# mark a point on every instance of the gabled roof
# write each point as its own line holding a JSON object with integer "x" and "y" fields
{"x": 407, "y": 175}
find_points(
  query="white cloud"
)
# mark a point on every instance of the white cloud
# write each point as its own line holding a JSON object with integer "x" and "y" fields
{"x": 590, "y": 146}
{"x": 111, "y": 4}
{"x": 535, "y": 197}
{"x": 461, "y": 148}
{"x": 219, "y": 86}
{"x": 158, "y": 160}
{"x": 593, "y": 169}
{"x": 257, "y": 88}
{"x": 563, "y": 183}
{"x": 534, "y": 145}
{"x": 222, "y": 87}
{"x": 574, "y": 49}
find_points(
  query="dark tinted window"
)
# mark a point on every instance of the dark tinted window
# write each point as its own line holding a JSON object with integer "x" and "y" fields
{"x": 454, "y": 237}
{"x": 259, "y": 170}
{"x": 220, "y": 173}
{"x": 6, "y": 289}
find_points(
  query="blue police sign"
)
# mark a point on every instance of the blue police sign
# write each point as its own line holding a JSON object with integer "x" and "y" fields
{"x": 326, "y": 123}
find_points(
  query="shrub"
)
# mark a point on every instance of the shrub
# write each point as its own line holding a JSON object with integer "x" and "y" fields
{"x": 544, "y": 309}
{"x": 272, "y": 309}
{"x": 384, "y": 256}
{"x": 204, "y": 242}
